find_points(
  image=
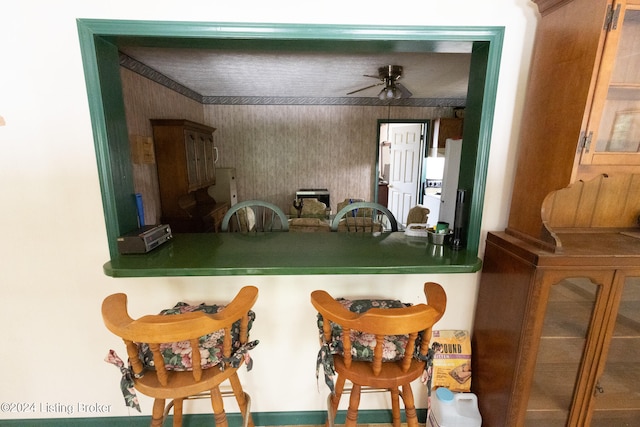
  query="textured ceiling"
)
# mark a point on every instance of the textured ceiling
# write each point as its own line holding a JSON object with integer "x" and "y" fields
{"x": 437, "y": 77}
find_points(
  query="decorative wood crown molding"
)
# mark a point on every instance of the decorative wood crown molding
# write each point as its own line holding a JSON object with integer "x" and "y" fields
{"x": 548, "y": 6}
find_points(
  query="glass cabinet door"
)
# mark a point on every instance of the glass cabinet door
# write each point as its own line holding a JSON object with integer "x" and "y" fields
{"x": 569, "y": 314}
{"x": 191, "y": 148}
{"x": 209, "y": 171}
{"x": 613, "y": 131}
{"x": 617, "y": 394}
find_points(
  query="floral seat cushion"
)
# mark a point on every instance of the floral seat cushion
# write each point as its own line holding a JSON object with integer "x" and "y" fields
{"x": 178, "y": 355}
{"x": 362, "y": 344}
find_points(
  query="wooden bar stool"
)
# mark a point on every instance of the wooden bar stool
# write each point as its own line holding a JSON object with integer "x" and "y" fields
{"x": 353, "y": 336}
{"x": 163, "y": 367}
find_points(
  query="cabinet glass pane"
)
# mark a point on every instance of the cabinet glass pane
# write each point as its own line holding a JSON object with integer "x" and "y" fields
{"x": 200, "y": 160}
{"x": 562, "y": 343}
{"x": 209, "y": 161}
{"x": 618, "y": 390}
{"x": 192, "y": 160}
{"x": 620, "y": 123}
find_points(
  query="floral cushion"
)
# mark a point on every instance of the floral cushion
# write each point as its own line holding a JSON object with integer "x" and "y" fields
{"x": 357, "y": 212}
{"x": 306, "y": 225}
{"x": 177, "y": 355}
{"x": 362, "y": 344}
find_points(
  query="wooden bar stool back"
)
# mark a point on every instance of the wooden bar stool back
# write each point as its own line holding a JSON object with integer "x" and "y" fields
{"x": 162, "y": 383}
{"x": 409, "y": 326}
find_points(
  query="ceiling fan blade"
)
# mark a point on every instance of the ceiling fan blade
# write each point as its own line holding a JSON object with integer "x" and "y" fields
{"x": 406, "y": 93}
{"x": 364, "y": 88}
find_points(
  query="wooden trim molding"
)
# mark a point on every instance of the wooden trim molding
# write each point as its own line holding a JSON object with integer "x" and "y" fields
{"x": 548, "y": 6}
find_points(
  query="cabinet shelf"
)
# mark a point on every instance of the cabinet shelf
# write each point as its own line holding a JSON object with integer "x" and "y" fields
{"x": 550, "y": 389}
{"x": 546, "y": 418}
{"x": 560, "y": 348}
{"x": 619, "y": 386}
{"x": 623, "y": 92}
{"x": 617, "y": 418}
{"x": 567, "y": 319}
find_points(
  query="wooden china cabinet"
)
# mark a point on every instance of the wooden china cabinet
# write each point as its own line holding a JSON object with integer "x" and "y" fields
{"x": 582, "y": 107}
{"x": 556, "y": 338}
{"x": 185, "y": 158}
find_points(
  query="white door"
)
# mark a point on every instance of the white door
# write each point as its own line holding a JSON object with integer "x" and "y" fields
{"x": 404, "y": 171}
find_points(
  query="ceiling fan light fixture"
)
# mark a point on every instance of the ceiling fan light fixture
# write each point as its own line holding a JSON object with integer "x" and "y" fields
{"x": 388, "y": 77}
{"x": 390, "y": 91}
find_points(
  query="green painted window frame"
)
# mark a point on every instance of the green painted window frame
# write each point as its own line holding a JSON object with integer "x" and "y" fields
{"x": 99, "y": 41}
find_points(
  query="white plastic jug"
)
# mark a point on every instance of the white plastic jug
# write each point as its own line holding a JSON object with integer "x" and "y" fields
{"x": 454, "y": 409}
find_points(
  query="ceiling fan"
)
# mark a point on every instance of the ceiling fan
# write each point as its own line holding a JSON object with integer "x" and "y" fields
{"x": 388, "y": 76}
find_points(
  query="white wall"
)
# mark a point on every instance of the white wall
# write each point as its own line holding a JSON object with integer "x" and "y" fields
{"x": 54, "y": 240}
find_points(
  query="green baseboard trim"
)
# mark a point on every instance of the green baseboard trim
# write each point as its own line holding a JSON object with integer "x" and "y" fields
{"x": 377, "y": 416}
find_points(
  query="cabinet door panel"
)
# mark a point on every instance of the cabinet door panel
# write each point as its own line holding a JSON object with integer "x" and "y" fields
{"x": 208, "y": 165}
{"x": 191, "y": 147}
{"x": 201, "y": 164}
{"x": 568, "y": 318}
{"x": 617, "y": 401}
{"x": 614, "y": 123}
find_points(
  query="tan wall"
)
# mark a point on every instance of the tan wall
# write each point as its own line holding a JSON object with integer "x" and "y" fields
{"x": 144, "y": 100}
{"x": 279, "y": 149}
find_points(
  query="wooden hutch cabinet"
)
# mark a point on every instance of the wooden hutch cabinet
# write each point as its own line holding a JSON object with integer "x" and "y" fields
{"x": 582, "y": 108}
{"x": 444, "y": 128}
{"x": 612, "y": 132}
{"x": 185, "y": 158}
{"x": 556, "y": 338}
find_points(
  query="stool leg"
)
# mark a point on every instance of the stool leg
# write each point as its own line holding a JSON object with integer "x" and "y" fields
{"x": 177, "y": 412}
{"x": 334, "y": 401}
{"x": 409, "y": 406}
{"x": 395, "y": 406}
{"x": 242, "y": 400}
{"x": 218, "y": 408}
{"x": 354, "y": 402}
{"x": 157, "y": 416}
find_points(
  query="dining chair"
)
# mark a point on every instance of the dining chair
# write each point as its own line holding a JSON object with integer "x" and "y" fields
{"x": 185, "y": 352}
{"x": 378, "y": 345}
{"x": 308, "y": 207}
{"x": 364, "y": 217}
{"x": 254, "y": 215}
{"x": 418, "y": 215}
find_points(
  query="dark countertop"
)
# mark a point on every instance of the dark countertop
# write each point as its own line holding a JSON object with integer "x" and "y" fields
{"x": 282, "y": 253}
